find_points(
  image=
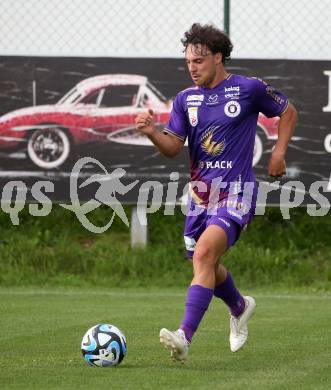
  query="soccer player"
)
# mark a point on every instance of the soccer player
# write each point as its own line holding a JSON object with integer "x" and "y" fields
{"x": 218, "y": 115}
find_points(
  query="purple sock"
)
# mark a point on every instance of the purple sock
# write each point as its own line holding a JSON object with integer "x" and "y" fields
{"x": 230, "y": 295}
{"x": 197, "y": 302}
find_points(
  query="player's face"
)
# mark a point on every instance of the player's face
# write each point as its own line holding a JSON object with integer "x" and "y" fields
{"x": 202, "y": 64}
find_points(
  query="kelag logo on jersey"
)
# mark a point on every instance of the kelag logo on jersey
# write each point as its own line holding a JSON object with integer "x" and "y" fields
{"x": 232, "y": 92}
{"x": 232, "y": 109}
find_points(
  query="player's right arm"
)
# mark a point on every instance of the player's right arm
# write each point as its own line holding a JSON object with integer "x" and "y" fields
{"x": 168, "y": 144}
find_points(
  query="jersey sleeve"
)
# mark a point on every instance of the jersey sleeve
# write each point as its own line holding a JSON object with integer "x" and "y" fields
{"x": 177, "y": 124}
{"x": 269, "y": 100}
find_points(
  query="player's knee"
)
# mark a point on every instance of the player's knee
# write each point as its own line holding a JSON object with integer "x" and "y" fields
{"x": 204, "y": 256}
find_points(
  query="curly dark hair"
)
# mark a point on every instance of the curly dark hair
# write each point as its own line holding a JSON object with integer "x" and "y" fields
{"x": 216, "y": 40}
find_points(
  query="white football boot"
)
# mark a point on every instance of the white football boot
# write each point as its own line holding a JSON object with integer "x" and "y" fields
{"x": 176, "y": 342}
{"x": 238, "y": 325}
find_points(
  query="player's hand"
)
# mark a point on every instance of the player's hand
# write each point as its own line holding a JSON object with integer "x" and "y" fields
{"x": 145, "y": 122}
{"x": 277, "y": 165}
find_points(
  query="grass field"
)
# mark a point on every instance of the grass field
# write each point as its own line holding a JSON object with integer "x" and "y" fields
{"x": 289, "y": 345}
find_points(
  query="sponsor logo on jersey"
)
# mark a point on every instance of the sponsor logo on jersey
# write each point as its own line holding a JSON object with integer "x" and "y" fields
{"x": 223, "y": 164}
{"x": 193, "y": 103}
{"x": 232, "y": 109}
{"x": 232, "y": 89}
{"x": 209, "y": 145}
{"x": 235, "y": 95}
{"x": 212, "y": 99}
{"x": 233, "y": 92}
{"x": 195, "y": 97}
{"x": 193, "y": 115}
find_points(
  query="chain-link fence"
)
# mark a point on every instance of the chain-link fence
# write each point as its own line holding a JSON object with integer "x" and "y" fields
{"x": 281, "y": 29}
{"x": 153, "y": 28}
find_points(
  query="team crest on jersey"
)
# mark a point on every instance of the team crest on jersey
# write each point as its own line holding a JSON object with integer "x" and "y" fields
{"x": 208, "y": 145}
{"x": 232, "y": 109}
{"x": 193, "y": 115}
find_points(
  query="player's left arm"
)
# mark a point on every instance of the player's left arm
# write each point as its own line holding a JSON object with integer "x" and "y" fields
{"x": 287, "y": 122}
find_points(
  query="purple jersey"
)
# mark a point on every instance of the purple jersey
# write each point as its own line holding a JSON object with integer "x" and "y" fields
{"x": 220, "y": 124}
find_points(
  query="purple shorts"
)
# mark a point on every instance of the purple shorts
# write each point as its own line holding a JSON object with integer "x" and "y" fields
{"x": 231, "y": 216}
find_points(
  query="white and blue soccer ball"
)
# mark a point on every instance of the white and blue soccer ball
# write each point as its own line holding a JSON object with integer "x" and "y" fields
{"x": 103, "y": 345}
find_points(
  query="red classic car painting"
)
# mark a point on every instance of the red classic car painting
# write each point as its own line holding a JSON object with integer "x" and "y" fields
{"x": 100, "y": 108}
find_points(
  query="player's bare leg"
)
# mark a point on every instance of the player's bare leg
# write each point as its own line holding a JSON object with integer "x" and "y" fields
{"x": 210, "y": 247}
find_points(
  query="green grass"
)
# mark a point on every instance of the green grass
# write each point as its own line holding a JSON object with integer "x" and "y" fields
{"x": 289, "y": 345}
{"x": 56, "y": 251}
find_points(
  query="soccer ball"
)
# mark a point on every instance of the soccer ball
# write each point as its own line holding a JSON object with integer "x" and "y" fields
{"x": 103, "y": 345}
